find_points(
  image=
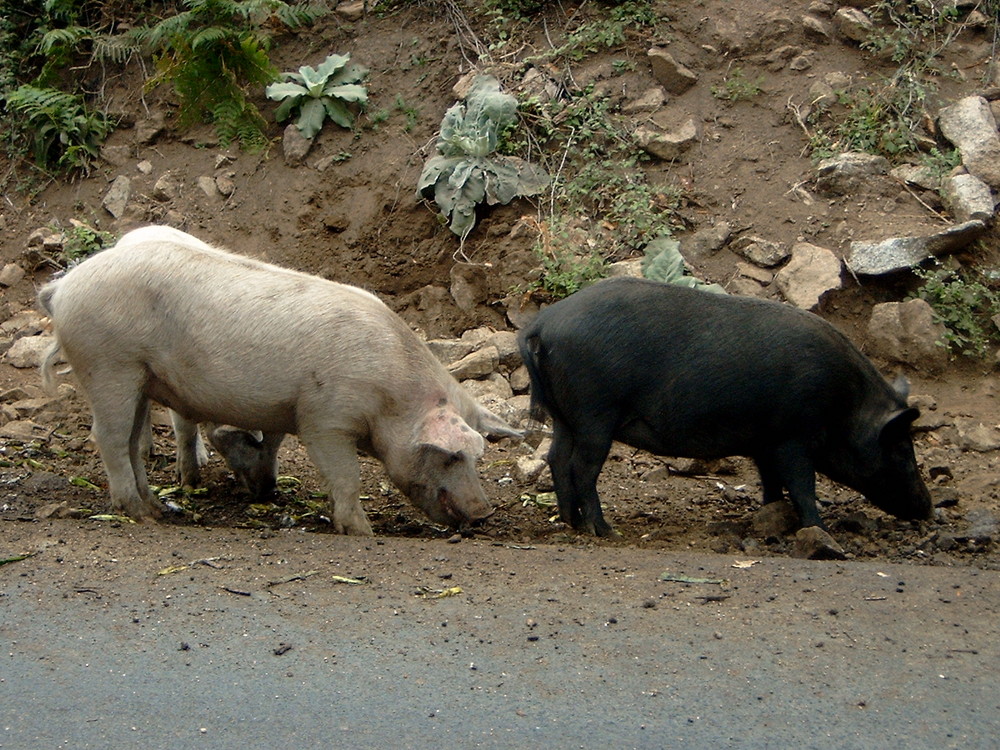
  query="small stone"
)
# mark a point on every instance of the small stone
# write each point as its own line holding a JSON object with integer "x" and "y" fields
{"x": 11, "y": 275}
{"x": 812, "y": 543}
{"x": 774, "y": 519}
{"x": 295, "y": 146}
{"x": 145, "y": 167}
{"x": 28, "y": 351}
{"x": 760, "y": 251}
{"x": 117, "y": 197}
{"x": 672, "y": 75}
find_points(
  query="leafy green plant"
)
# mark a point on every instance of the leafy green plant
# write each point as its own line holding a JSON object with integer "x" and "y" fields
{"x": 565, "y": 269}
{"x": 318, "y": 93}
{"x": 736, "y": 87}
{"x": 214, "y": 53}
{"x": 603, "y": 33}
{"x": 81, "y": 241}
{"x": 65, "y": 134}
{"x": 663, "y": 262}
{"x": 965, "y": 305}
{"x": 467, "y": 171}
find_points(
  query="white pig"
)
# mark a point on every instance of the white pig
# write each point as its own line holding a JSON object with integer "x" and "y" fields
{"x": 218, "y": 337}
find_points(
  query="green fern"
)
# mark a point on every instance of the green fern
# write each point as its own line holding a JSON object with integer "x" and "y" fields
{"x": 214, "y": 53}
{"x": 65, "y": 134}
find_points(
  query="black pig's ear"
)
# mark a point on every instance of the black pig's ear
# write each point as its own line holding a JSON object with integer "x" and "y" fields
{"x": 897, "y": 425}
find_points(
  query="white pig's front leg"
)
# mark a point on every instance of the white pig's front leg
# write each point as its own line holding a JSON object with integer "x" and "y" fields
{"x": 335, "y": 454}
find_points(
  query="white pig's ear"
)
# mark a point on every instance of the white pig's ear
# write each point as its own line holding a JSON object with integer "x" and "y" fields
{"x": 444, "y": 428}
{"x": 493, "y": 426}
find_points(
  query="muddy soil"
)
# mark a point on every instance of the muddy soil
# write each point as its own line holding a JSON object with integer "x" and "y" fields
{"x": 349, "y": 213}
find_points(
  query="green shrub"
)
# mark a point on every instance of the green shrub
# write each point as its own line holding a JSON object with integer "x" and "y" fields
{"x": 966, "y": 304}
{"x": 315, "y": 93}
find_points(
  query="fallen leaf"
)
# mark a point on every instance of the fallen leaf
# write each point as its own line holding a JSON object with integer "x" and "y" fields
{"x": 689, "y": 579}
{"x": 171, "y": 569}
{"x": 745, "y": 563}
{"x": 111, "y": 517}
{"x": 15, "y": 558}
{"x": 425, "y": 592}
{"x": 345, "y": 579}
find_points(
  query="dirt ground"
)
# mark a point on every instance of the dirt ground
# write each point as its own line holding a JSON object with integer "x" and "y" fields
{"x": 356, "y": 220}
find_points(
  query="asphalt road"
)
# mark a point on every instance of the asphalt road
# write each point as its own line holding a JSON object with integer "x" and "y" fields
{"x": 161, "y": 637}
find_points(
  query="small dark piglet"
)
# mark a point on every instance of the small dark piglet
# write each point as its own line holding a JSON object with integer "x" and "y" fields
{"x": 683, "y": 372}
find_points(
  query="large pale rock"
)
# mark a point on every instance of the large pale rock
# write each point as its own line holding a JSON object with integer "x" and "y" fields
{"x": 294, "y": 145}
{"x": 967, "y": 197}
{"x": 812, "y": 272}
{"x": 668, "y": 145}
{"x": 117, "y": 197}
{"x": 28, "y": 351}
{"x": 706, "y": 241}
{"x": 672, "y": 75}
{"x": 478, "y": 364}
{"x": 849, "y": 172}
{"x": 759, "y": 251}
{"x": 853, "y": 24}
{"x": 970, "y": 125}
{"x": 906, "y": 332}
{"x": 901, "y": 253}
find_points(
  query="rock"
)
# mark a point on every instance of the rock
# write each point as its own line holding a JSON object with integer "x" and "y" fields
{"x": 849, "y": 172}
{"x": 520, "y": 381}
{"x": 148, "y": 130}
{"x": 853, "y": 24}
{"x": 629, "y": 268}
{"x": 352, "y": 10}
{"x": 225, "y": 185}
{"x": 816, "y": 27}
{"x": 967, "y": 197}
{"x": 494, "y": 386}
{"x": 477, "y": 364}
{"x": 11, "y": 274}
{"x": 535, "y": 83}
{"x": 295, "y": 146}
{"x": 528, "y": 469}
{"x": 758, "y": 274}
{"x": 520, "y": 310}
{"x": 117, "y": 156}
{"x": 27, "y": 351}
{"x": 774, "y": 519}
{"x": 970, "y": 126}
{"x": 921, "y": 176}
{"x": 973, "y": 435}
{"x": 906, "y": 332}
{"x": 23, "y": 431}
{"x": 669, "y": 73}
{"x": 812, "y": 543}
{"x": 706, "y": 241}
{"x": 118, "y": 196}
{"x": 145, "y": 167}
{"x": 982, "y": 526}
{"x": 812, "y": 272}
{"x": 667, "y": 145}
{"x": 901, "y": 253}
{"x": 27, "y": 408}
{"x": 24, "y": 323}
{"x": 60, "y": 510}
{"x": 505, "y": 342}
{"x": 649, "y": 100}
{"x": 207, "y": 185}
{"x": 165, "y": 189}
{"x": 469, "y": 285}
{"x": 449, "y": 350}
{"x": 760, "y": 251}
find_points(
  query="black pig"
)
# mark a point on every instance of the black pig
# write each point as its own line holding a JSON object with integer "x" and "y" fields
{"x": 683, "y": 372}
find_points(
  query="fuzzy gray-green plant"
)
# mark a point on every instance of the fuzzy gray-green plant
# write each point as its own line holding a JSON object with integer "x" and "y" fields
{"x": 467, "y": 171}
{"x": 663, "y": 262}
{"x": 316, "y": 93}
